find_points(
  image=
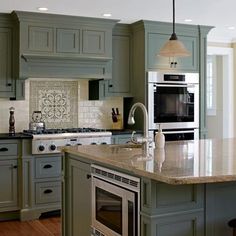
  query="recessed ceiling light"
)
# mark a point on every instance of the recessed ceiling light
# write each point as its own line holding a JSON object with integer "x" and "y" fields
{"x": 42, "y": 8}
{"x": 107, "y": 14}
{"x": 188, "y": 20}
{"x": 231, "y": 27}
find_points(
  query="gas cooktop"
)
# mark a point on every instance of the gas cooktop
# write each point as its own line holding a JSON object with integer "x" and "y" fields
{"x": 62, "y": 131}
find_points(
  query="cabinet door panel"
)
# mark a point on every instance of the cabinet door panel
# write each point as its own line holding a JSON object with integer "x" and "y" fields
{"x": 79, "y": 199}
{"x": 68, "y": 40}
{"x": 8, "y": 184}
{"x": 6, "y": 82}
{"x": 154, "y": 61}
{"x": 93, "y": 42}
{"x": 120, "y": 83}
{"x": 40, "y": 39}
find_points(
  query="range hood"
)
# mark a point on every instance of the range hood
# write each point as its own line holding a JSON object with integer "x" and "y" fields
{"x": 41, "y": 66}
{"x": 60, "y": 46}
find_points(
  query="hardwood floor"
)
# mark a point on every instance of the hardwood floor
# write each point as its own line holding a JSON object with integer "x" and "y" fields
{"x": 43, "y": 227}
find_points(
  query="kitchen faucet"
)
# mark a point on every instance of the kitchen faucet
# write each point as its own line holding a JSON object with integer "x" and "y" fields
{"x": 145, "y": 140}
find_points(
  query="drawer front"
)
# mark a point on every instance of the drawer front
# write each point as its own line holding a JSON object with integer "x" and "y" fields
{"x": 47, "y": 192}
{"x": 8, "y": 149}
{"x": 47, "y": 167}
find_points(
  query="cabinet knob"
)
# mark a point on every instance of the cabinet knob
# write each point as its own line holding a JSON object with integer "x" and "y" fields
{"x": 9, "y": 84}
{"x": 15, "y": 167}
{"x": 110, "y": 85}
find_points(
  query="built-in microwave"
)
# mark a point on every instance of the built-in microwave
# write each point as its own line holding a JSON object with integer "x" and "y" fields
{"x": 115, "y": 203}
{"x": 173, "y": 100}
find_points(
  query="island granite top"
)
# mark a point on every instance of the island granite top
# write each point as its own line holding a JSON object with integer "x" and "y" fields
{"x": 180, "y": 162}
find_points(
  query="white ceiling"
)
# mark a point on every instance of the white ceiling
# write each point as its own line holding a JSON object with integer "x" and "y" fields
{"x": 218, "y": 13}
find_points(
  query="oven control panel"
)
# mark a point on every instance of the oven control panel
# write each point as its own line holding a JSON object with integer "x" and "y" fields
{"x": 47, "y": 146}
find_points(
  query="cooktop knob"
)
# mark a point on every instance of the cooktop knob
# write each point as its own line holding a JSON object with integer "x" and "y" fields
{"x": 93, "y": 143}
{"x": 41, "y": 148}
{"x": 68, "y": 144}
{"x": 52, "y": 147}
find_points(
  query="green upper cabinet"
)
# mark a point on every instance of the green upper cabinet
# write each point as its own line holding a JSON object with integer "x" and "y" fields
{"x": 154, "y": 43}
{"x": 120, "y": 83}
{"x": 7, "y": 82}
{"x": 155, "y": 34}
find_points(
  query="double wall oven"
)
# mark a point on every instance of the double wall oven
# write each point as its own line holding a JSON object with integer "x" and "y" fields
{"x": 173, "y": 103}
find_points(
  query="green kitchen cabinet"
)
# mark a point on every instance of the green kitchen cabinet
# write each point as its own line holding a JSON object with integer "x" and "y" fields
{"x": 120, "y": 83}
{"x": 154, "y": 62}
{"x": 8, "y": 185}
{"x": 148, "y": 38}
{"x": 7, "y": 81}
{"x": 9, "y": 176}
{"x": 77, "y": 197}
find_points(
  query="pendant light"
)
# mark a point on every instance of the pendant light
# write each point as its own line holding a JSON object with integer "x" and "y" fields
{"x": 173, "y": 47}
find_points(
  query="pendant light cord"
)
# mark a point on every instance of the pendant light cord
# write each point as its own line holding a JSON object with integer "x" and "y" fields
{"x": 173, "y": 36}
{"x": 174, "y": 16}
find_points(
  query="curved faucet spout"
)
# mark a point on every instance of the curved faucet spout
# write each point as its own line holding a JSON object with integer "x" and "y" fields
{"x": 131, "y": 121}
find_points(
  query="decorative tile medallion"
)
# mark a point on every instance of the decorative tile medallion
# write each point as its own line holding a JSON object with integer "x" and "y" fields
{"x": 58, "y": 102}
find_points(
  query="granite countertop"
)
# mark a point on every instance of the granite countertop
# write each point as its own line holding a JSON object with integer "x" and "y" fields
{"x": 180, "y": 162}
{"x": 16, "y": 136}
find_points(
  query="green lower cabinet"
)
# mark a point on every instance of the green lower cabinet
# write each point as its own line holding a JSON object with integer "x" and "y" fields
{"x": 77, "y": 201}
{"x": 8, "y": 185}
{"x": 182, "y": 224}
{"x": 220, "y": 208}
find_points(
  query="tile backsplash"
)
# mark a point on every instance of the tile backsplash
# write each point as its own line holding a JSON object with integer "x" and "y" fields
{"x": 64, "y": 103}
{"x": 58, "y": 102}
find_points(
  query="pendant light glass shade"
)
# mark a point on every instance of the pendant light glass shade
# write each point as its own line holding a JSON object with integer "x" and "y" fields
{"x": 173, "y": 47}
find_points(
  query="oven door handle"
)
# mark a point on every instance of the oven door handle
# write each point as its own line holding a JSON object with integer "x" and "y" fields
{"x": 175, "y": 85}
{"x": 178, "y": 132}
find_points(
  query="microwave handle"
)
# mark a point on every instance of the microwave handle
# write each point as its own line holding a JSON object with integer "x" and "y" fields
{"x": 175, "y": 85}
{"x": 178, "y": 132}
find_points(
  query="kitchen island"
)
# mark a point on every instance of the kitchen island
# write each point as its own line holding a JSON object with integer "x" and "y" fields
{"x": 188, "y": 188}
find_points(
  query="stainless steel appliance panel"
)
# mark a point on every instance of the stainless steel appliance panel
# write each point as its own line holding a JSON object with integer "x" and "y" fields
{"x": 115, "y": 202}
{"x": 173, "y": 100}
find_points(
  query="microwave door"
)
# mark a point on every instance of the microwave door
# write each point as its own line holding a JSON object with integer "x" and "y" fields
{"x": 110, "y": 208}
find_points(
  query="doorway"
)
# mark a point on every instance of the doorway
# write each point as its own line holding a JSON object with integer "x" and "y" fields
{"x": 220, "y": 97}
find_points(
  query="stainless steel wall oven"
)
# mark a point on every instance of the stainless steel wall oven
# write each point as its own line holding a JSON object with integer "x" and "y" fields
{"x": 173, "y": 100}
{"x": 115, "y": 203}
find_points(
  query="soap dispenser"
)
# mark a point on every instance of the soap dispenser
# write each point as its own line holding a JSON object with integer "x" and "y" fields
{"x": 159, "y": 138}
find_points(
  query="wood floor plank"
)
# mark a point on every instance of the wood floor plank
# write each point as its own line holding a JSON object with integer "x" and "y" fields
{"x": 44, "y": 227}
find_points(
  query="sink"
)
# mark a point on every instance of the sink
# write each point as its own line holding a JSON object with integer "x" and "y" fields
{"x": 126, "y": 146}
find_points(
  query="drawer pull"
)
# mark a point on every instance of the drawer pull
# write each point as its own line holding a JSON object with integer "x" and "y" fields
{"x": 47, "y": 191}
{"x": 3, "y": 149}
{"x": 47, "y": 166}
{"x": 88, "y": 176}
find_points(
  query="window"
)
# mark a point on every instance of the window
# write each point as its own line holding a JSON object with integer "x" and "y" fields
{"x": 211, "y": 85}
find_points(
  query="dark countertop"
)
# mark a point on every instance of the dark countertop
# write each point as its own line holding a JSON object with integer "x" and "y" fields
{"x": 124, "y": 131}
{"x": 16, "y": 136}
